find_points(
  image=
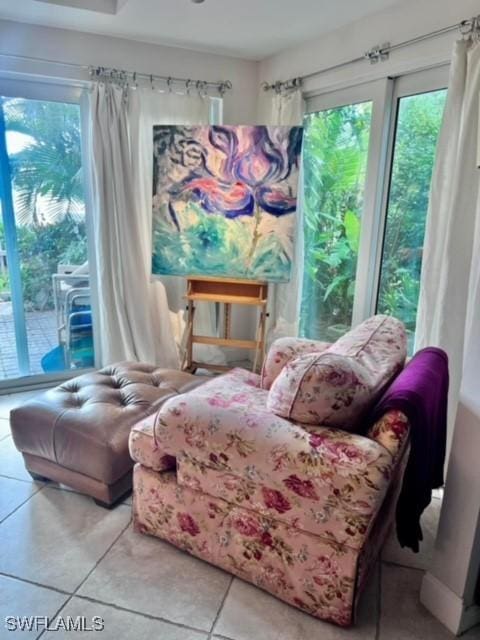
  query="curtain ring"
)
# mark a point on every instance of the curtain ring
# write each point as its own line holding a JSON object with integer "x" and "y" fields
{"x": 465, "y": 28}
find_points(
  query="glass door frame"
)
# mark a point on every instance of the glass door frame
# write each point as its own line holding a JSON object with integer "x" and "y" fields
{"x": 384, "y": 94}
{"x": 407, "y": 85}
{"x": 74, "y": 94}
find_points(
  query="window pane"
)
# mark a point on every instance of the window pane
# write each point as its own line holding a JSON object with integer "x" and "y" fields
{"x": 418, "y": 125}
{"x": 335, "y": 162}
{"x": 43, "y": 144}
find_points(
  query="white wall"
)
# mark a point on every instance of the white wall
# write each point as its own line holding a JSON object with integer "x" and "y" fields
{"x": 398, "y": 23}
{"x": 92, "y": 49}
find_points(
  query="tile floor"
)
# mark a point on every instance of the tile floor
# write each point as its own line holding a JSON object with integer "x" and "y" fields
{"x": 62, "y": 554}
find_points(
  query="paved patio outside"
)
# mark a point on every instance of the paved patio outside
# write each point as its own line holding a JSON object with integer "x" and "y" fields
{"x": 41, "y": 334}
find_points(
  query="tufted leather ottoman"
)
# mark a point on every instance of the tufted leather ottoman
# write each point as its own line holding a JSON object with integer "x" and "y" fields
{"x": 77, "y": 433}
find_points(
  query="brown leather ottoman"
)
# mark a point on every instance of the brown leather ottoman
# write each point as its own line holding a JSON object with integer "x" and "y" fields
{"x": 77, "y": 433}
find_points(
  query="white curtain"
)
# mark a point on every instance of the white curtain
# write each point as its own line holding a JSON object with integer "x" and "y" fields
{"x": 449, "y": 306}
{"x": 126, "y": 322}
{"x": 134, "y": 316}
{"x": 285, "y": 299}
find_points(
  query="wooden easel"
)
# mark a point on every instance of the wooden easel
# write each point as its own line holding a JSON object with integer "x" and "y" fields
{"x": 227, "y": 292}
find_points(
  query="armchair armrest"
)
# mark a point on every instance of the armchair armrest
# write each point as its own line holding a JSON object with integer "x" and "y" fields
{"x": 282, "y": 351}
{"x": 330, "y": 481}
{"x": 391, "y": 431}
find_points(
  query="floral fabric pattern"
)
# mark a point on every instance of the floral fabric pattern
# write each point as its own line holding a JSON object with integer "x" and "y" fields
{"x": 282, "y": 351}
{"x": 391, "y": 431}
{"x": 336, "y": 387}
{"x": 322, "y": 480}
{"x": 144, "y": 449}
{"x": 298, "y": 510}
{"x": 311, "y": 573}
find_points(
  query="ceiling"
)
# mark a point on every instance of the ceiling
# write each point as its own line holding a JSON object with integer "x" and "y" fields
{"x": 251, "y": 29}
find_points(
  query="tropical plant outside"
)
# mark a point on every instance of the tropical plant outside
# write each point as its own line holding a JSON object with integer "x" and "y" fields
{"x": 418, "y": 126}
{"x": 335, "y": 157}
{"x": 48, "y": 193}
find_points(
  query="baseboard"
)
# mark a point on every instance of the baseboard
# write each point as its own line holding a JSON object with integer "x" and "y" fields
{"x": 447, "y": 606}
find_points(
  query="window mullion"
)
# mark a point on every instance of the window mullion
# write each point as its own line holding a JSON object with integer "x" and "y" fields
{"x": 373, "y": 216}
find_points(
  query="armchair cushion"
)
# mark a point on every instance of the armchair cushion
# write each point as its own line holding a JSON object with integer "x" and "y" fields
{"x": 337, "y": 386}
{"x": 282, "y": 351}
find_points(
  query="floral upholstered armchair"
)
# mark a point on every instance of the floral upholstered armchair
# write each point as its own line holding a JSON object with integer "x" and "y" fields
{"x": 277, "y": 478}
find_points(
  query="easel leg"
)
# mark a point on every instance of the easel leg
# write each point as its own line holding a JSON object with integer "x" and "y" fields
{"x": 260, "y": 339}
{"x": 188, "y": 358}
{"x": 227, "y": 320}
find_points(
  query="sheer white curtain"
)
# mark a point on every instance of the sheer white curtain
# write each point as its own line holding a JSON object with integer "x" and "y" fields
{"x": 285, "y": 299}
{"x": 449, "y": 306}
{"x": 126, "y": 322}
{"x": 134, "y": 317}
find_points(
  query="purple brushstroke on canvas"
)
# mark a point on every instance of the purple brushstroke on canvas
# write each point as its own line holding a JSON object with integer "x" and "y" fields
{"x": 252, "y": 172}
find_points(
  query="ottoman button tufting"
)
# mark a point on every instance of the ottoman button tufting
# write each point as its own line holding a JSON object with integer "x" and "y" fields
{"x": 77, "y": 434}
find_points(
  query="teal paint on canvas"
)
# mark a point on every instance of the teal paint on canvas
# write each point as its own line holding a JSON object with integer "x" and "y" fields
{"x": 224, "y": 200}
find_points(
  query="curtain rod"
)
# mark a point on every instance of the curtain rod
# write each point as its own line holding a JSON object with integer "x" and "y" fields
{"x": 222, "y": 86}
{"x": 376, "y": 54}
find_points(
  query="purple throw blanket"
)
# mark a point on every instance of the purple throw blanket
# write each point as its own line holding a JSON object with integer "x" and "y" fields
{"x": 420, "y": 392}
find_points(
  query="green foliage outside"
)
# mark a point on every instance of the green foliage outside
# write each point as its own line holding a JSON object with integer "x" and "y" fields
{"x": 335, "y": 157}
{"x": 418, "y": 126}
{"x": 47, "y": 172}
{"x": 48, "y": 195}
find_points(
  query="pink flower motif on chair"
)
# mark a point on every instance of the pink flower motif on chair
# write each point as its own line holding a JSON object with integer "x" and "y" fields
{"x": 187, "y": 524}
{"x": 302, "y": 488}
{"x": 316, "y": 440}
{"x": 247, "y": 526}
{"x": 275, "y": 500}
{"x": 219, "y": 401}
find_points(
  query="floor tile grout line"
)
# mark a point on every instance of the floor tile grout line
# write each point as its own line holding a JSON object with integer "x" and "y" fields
{"x": 87, "y": 576}
{"x": 34, "y": 584}
{"x": 75, "y": 594}
{"x": 54, "y": 616}
{"x": 2, "y": 475}
{"x": 149, "y": 616}
{"x": 220, "y": 609}
{"x": 102, "y": 602}
{"x": 21, "y": 504}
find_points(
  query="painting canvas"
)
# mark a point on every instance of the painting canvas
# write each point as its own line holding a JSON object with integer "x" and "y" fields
{"x": 224, "y": 200}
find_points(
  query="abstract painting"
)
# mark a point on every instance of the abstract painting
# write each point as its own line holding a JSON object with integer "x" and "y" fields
{"x": 224, "y": 200}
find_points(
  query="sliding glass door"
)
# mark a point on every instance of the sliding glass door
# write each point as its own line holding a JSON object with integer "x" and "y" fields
{"x": 46, "y": 323}
{"x": 417, "y": 125}
{"x": 368, "y": 160}
{"x": 335, "y": 164}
